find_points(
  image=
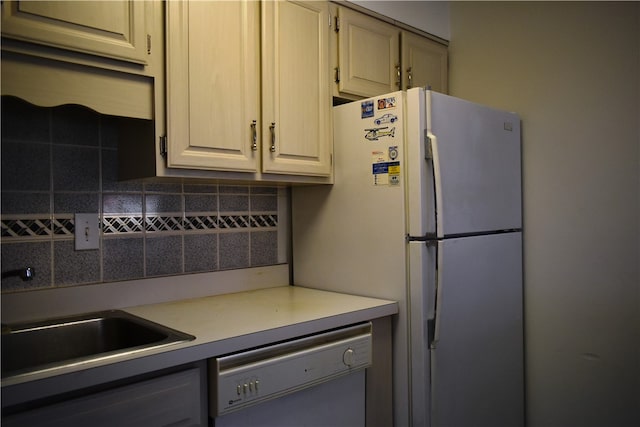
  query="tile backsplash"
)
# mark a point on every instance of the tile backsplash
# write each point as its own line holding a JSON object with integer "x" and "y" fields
{"x": 60, "y": 161}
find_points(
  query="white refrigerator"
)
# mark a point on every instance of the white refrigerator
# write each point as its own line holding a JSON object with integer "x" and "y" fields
{"x": 426, "y": 210}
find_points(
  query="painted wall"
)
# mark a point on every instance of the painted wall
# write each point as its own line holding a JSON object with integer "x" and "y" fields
{"x": 429, "y": 16}
{"x": 571, "y": 69}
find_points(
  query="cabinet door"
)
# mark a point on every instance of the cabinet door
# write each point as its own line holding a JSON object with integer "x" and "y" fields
{"x": 213, "y": 84}
{"x": 172, "y": 400}
{"x": 368, "y": 55}
{"x": 114, "y": 29}
{"x": 424, "y": 63}
{"x": 296, "y": 98}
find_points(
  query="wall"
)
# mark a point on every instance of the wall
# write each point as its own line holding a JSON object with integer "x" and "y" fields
{"x": 60, "y": 161}
{"x": 571, "y": 69}
{"x": 429, "y": 16}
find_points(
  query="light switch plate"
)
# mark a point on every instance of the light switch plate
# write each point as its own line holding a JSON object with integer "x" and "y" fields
{"x": 87, "y": 231}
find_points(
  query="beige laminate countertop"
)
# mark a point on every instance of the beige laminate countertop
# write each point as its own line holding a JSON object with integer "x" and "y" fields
{"x": 221, "y": 324}
{"x": 232, "y": 316}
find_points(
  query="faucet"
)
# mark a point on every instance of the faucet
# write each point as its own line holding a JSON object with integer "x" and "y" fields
{"x": 26, "y": 273}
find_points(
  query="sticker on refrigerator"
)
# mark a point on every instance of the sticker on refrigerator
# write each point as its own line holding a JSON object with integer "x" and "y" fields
{"x": 384, "y": 171}
{"x": 386, "y": 118}
{"x": 386, "y": 103}
{"x": 367, "y": 109}
{"x": 373, "y": 134}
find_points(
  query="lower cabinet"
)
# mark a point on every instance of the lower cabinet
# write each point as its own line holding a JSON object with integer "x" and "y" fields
{"x": 170, "y": 400}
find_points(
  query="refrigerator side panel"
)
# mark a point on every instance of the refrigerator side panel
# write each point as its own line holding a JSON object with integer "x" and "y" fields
{"x": 350, "y": 237}
{"x": 478, "y": 153}
{"x": 477, "y": 362}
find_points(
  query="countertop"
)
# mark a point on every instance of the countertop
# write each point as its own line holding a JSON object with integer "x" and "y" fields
{"x": 222, "y": 324}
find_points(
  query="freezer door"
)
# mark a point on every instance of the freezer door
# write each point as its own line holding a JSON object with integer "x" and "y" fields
{"x": 421, "y": 218}
{"x": 477, "y": 367}
{"x": 477, "y": 166}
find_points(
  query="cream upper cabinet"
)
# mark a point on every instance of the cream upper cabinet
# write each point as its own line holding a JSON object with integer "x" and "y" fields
{"x": 106, "y": 55}
{"x": 424, "y": 63}
{"x": 368, "y": 54}
{"x": 248, "y": 87}
{"x": 112, "y": 29}
{"x": 213, "y": 85}
{"x": 296, "y": 94}
{"x": 371, "y": 57}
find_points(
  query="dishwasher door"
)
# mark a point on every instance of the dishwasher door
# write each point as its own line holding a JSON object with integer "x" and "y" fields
{"x": 317, "y": 380}
{"x": 337, "y": 403}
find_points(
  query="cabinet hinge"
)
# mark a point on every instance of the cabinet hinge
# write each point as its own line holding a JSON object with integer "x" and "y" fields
{"x": 337, "y": 74}
{"x": 148, "y": 44}
{"x": 163, "y": 146}
{"x": 337, "y": 26}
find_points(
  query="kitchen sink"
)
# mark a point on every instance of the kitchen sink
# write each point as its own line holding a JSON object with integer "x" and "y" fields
{"x": 62, "y": 342}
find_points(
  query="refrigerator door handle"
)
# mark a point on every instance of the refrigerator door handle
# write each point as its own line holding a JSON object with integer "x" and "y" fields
{"x": 433, "y": 324}
{"x": 431, "y": 154}
{"x": 428, "y": 154}
{"x": 437, "y": 183}
{"x": 431, "y": 331}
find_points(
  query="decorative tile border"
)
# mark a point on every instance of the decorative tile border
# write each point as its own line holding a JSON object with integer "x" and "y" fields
{"x": 233, "y": 221}
{"x": 26, "y": 228}
{"x": 163, "y": 223}
{"x": 38, "y": 228}
{"x": 201, "y": 222}
{"x": 263, "y": 221}
{"x": 122, "y": 224}
{"x": 63, "y": 227}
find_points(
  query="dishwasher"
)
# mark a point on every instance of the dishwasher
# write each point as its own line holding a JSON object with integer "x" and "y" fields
{"x": 315, "y": 380}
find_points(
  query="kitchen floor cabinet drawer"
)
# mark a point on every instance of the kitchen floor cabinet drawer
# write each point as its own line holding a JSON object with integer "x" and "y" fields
{"x": 173, "y": 399}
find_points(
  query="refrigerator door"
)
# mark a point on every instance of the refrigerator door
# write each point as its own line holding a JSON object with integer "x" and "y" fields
{"x": 421, "y": 220}
{"x": 477, "y": 356}
{"x": 477, "y": 167}
{"x": 422, "y": 280}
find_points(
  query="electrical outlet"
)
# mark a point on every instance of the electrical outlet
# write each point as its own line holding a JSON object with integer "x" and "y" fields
{"x": 87, "y": 231}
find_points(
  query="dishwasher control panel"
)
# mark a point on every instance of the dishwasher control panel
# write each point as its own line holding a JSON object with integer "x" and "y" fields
{"x": 257, "y": 375}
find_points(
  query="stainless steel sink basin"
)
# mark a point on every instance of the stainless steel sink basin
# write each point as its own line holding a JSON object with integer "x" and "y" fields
{"x": 35, "y": 347}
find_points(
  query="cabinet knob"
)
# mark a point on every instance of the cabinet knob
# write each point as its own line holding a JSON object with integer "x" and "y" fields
{"x": 398, "y": 80}
{"x": 409, "y": 78}
{"x": 272, "y": 128}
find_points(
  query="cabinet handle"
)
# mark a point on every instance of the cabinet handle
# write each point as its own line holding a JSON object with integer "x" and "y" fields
{"x": 398, "y": 81}
{"x": 254, "y": 135}
{"x": 409, "y": 78}
{"x": 272, "y": 128}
